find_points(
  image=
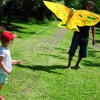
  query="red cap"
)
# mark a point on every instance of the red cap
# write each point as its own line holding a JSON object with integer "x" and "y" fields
{"x": 7, "y": 36}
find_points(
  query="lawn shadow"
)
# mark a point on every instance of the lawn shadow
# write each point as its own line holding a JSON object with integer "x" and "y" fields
{"x": 93, "y": 53}
{"x": 39, "y": 23}
{"x": 97, "y": 41}
{"x": 95, "y": 59}
{"x": 97, "y": 30}
{"x": 44, "y": 68}
{"x": 72, "y": 67}
{"x": 12, "y": 27}
{"x": 31, "y": 22}
{"x": 17, "y": 28}
{"x": 53, "y": 56}
{"x": 91, "y": 64}
{"x": 62, "y": 50}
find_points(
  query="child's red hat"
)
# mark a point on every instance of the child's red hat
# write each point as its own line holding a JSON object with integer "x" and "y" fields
{"x": 7, "y": 36}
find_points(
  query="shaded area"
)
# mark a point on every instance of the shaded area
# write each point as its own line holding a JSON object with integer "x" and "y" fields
{"x": 62, "y": 50}
{"x": 54, "y": 56}
{"x": 44, "y": 68}
{"x": 92, "y": 53}
{"x": 88, "y": 63}
{"x": 97, "y": 30}
{"x": 31, "y": 22}
{"x": 11, "y": 27}
{"x": 97, "y": 41}
{"x": 14, "y": 27}
{"x": 23, "y": 28}
{"x": 95, "y": 61}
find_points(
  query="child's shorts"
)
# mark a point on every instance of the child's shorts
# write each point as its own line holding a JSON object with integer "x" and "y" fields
{"x": 3, "y": 78}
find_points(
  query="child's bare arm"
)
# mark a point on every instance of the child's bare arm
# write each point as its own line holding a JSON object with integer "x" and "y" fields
{"x": 15, "y": 62}
{"x": 3, "y": 66}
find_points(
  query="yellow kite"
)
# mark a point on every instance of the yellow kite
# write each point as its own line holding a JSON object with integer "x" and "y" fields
{"x": 71, "y": 18}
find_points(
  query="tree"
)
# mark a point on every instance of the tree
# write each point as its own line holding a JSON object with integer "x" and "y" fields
{"x": 72, "y": 3}
{"x": 27, "y": 8}
{"x": 9, "y": 9}
{"x": 1, "y": 9}
{"x": 40, "y": 10}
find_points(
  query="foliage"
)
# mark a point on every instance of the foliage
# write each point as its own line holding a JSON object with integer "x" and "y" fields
{"x": 79, "y": 4}
{"x": 24, "y": 9}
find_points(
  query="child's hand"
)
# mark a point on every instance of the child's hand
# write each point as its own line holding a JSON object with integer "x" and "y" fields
{"x": 8, "y": 71}
{"x": 15, "y": 62}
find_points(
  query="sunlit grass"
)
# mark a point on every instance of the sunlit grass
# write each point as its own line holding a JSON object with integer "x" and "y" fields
{"x": 42, "y": 74}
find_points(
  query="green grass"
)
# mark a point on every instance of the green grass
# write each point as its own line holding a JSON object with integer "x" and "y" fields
{"x": 42, "y": 74}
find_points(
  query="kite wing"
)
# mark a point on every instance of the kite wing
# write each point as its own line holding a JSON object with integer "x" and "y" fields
{"x": 72, "y": 19}
{"x": 61, "y": 11}
{"x": 82, "y": 18}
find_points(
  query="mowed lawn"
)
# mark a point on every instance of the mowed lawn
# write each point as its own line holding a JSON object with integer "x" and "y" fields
{"x": 42, "y": 49}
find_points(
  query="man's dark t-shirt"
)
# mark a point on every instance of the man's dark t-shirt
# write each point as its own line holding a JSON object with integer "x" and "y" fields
{"x": 84, "y": 31}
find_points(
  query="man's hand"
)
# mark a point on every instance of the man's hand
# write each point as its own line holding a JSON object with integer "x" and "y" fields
{"x": 93, "y": 42}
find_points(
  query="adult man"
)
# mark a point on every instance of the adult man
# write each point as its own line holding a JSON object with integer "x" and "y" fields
{"x": 81, "y": 39}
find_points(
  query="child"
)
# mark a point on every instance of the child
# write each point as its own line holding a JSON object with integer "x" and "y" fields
{"x": 6, "y": 38}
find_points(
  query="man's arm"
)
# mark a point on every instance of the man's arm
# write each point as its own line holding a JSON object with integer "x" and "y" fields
{"x": 93, "y": 35}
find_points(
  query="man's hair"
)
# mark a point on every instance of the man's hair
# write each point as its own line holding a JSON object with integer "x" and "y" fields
{"x": 90, "y": 2}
